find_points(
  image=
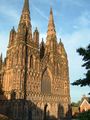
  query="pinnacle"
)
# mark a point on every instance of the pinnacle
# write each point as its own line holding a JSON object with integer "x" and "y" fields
{"x": 60, "y": 42}
{"x": 13, "y": 29}
{"x": 36, "y": 29}
{"x": 1, "y": 56}
{"x": 51, "y": 20}
{"x": 42, "y": 41}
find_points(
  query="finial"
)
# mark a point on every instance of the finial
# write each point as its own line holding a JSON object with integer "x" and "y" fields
{"x": 26, "y": 5}
{"x": 60, "y": 41}
{"x": 36, "y": 29}
{"x": 42, "y": 40}
{"x": 1, "y": 56}
{"x": 51, "y": 10}
{"x": 84, "y": 96}
{"x": 13, "y": 29}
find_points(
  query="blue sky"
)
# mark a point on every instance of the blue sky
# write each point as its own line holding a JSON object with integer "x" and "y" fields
{"x": 72, "y": 21}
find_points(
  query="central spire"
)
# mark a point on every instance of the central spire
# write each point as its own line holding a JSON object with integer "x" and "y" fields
{"x": 51, "y": 26}
{"x": 26, "y": 5}
{"x": 51, "y": 39}
{"x": 25, "y": 17}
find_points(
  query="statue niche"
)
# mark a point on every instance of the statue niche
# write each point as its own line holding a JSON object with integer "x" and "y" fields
{"x": 46, "y": 83}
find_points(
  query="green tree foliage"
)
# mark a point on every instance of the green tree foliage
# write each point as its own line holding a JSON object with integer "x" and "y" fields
{"x": 85, "y": 53}
{"x": 75, "y": 104}
{"x": 84, "y": 115}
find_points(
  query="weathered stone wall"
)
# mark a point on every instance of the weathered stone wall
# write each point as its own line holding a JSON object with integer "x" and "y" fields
{"x": 27, "y": 110}
{"x": 14, "y": 109}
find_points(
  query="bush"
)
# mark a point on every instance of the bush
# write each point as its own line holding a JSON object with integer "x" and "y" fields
{"x": 84, "y": 115}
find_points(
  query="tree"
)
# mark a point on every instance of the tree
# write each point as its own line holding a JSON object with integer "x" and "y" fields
{"x": 85, "y": 53}
{"x": 84, "y": 115}
{"x": 75, "y": 104}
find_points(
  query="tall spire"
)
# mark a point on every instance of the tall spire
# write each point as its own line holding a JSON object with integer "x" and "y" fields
{"x": 51, "y": 40}
{"x": 51, "y": 26}
{"x": 26, "y": 6}
{"x": 25, "y": 17}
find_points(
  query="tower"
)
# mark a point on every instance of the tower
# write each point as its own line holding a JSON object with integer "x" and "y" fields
{"x": 17, "y": 59}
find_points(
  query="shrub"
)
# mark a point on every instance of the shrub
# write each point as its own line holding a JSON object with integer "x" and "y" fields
{"x": 84, "y": 115}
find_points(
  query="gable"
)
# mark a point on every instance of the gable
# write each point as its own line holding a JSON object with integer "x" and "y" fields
{"x": 84, "y": 103}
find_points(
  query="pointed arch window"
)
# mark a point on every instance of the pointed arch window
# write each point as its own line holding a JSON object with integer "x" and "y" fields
{"x": 60, "y": 111}
{"x": 46, "y": 83}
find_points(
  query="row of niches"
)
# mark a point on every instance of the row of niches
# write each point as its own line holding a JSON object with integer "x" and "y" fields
{"x": 15, "y": 60}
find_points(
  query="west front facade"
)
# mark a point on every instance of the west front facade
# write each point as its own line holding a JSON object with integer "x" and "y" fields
{"x": 36, "y": 72}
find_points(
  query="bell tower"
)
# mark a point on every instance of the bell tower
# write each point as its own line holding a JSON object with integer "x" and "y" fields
{"x": 17, "y": 57}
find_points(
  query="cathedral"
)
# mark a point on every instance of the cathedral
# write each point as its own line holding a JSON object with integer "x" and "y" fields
{"x": 36, "y": 73}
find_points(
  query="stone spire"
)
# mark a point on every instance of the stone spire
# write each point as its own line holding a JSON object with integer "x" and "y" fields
{"x": 25, "y": 17}
{"x": 51, "y": 40}
{"x": 61, "y": 48}
{"x": 12, "y": 37}
{"x": 26, "y": 6}
{"x": 36, "y": 37}
{"x": 51, "y": 26}
{"x": 42, "y": 49}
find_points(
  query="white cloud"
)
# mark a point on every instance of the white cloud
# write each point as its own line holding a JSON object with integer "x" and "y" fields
{"x": 9, "y": 12}
{"x": 83, "y": 21}
{"x": 3, "y": 43}
{"x": 43, "y": 35}
{"x": 40, "y": 12}
{"x": 79, "y": 38}
{"x": 79, "y": 3}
